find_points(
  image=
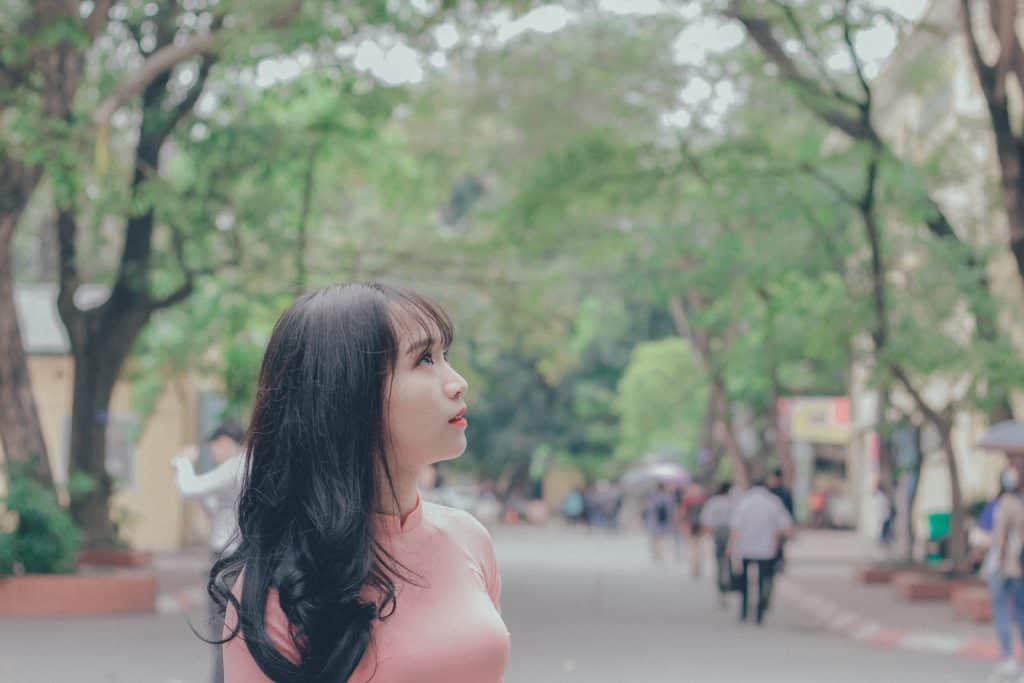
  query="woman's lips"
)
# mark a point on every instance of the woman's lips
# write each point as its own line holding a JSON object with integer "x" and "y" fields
{"x": 460, "y": 419}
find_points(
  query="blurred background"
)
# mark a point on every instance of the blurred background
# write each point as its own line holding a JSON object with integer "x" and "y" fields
{"x": 684, "y": 242}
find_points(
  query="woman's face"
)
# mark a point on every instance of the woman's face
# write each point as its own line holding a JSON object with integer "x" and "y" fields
{"x": 425, "y": 403}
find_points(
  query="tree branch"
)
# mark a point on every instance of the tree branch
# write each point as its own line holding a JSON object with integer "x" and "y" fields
{"x": 159, "y": 62}
{"x": 817, "y": 99}
{"x": 832, "y": 185}
{"x": 1016, "y": 54}
{"x": 188, "y": 102}
{"x": 858, "y": 67}
{"x": 818, "y": 61}
{"x": 983, "y": 70}
{"x": 922, "y": 405}
{"x": 174, "y": 298}
{"x": 171, "y": 55}
{"x": 191, "y": 274}
{"x": 97, "y": 20}
{"x": 1006, "y": 30}
{"x": 681, "y": 320}
{"x": 67, "y": 229}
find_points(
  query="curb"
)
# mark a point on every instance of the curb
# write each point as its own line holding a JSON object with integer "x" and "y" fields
{"x": 841, "y": 621}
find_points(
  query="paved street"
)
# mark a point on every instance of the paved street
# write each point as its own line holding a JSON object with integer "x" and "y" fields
{"x": 594, "y": 609}
{"x": 588, "y": 608}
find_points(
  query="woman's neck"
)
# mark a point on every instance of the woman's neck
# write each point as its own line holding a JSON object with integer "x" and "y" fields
{"x": 404, "y": 480}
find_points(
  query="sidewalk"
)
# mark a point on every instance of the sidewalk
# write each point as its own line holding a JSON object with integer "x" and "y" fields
{"x": 181, "y": 579}
{"x": 820, "y": 581}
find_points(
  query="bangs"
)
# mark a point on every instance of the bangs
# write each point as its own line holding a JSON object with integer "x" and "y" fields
{"x": 413, "y": 311}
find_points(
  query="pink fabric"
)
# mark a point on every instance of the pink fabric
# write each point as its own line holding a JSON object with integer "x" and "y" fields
{"x": 447, "y": 631}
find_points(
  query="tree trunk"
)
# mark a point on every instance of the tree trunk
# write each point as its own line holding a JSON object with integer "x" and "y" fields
{"x": 992, "y": 79}
{"x": 102, "y": 338}
{"x": 957, "y": 535}
{"x": 20, "y": 429}
{"x": 783, "y": 449}
{"x": 740, "y": 466}
{"x": 700, "y": 344}
{"x": 109, "y": 335}
{"x": 886, "y": 466}
{"x": 707, "y": 471}
{"x": 915, "y": 485}
{"x": 89, "y": 417}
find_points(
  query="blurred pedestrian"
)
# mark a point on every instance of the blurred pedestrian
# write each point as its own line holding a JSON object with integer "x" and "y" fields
{"x": 1004, "y": 572}
{"x": 714, "y": 518}
{"x": 574, "y": 507}
{"x": 658, "y": 518}
{"x": 759, "y": 523}
{"x": 602, "y": 504}
{"x": 884, "y": 513}
{"x": 678, "y": 525}
{"x": 692, "y": 505}
{"x": 817, "y": 507}
{"x": 217, "y": 492}
{"x": 777, "y": 485}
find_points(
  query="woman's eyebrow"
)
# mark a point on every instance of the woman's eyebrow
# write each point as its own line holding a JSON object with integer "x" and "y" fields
{"x": 419, "y": 346}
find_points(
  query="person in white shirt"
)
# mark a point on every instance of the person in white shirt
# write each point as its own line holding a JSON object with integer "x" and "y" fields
{"x": 715, "y": 517}
{"x": 759, "y": 523}
{"x": 217, "y": 492}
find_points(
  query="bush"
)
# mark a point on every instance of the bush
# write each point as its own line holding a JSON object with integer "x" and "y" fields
{"x": 44, "y": 539}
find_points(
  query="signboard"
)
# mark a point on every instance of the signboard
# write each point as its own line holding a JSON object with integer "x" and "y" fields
{"x": 816, "y": 419}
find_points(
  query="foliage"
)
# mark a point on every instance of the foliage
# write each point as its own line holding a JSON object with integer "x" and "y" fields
{"x": 661, "y": 400}
{"x": 37, "y": 535}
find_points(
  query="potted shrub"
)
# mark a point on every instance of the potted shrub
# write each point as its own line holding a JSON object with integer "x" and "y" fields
{"x": 38, "y": 547}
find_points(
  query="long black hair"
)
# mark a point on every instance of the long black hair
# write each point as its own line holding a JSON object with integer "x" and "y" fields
{"x": 316, "y": 463}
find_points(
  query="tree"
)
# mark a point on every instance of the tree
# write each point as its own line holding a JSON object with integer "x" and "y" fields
{"x": 40, "y": 74}
{"x": 155, "y": 63}
{"x": 841, "y": 101}
{"x": 629, "y": 205}
{"x": 847, "y": 105}
{"x": 662, "y": 398}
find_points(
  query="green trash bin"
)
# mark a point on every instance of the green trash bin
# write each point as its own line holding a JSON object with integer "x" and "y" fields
{"x": 938, "y": 534}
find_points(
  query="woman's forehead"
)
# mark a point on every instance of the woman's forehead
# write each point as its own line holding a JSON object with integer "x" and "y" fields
{"x": 414, "y": 329}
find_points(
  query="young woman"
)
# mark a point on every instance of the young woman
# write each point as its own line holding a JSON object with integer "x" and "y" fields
{"x": 343, "y": 573}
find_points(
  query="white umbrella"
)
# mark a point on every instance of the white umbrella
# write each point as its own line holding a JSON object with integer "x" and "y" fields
{"x": 647, "y": 477}
{"x": 1006, "y": 436}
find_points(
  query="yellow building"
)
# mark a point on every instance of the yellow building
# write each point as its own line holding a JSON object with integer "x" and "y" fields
{"x": 138, "y": 454}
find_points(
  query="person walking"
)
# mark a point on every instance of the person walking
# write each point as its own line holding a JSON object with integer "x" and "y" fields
{"x": 217, "y": 492}
{"x": 691, "y": 505}
{"x": 884, "y": 514}
{"x": 659, "y": 518}
{"x": 343, "y": 572}
{"x": 714, "y": 518}
{"x": 1003, "y": 570}
{"x": 574, "y": 507}
{"x": 778, "y": 488}
{"x": 759, "y": 523}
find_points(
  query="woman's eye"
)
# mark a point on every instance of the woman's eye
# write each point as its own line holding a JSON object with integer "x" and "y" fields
{"x": 429, "y": 357}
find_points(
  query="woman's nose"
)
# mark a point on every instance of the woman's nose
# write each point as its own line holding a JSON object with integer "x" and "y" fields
{"x": 457, "y": 388}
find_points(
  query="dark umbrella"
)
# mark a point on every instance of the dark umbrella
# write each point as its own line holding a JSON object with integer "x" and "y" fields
{"x": 1007, "y": 436}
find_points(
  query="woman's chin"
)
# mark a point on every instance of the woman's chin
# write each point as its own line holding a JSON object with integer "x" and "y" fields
{"x": 452, "y": 455}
